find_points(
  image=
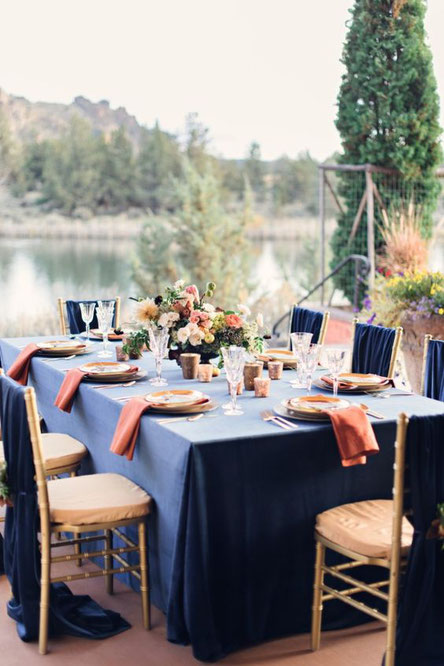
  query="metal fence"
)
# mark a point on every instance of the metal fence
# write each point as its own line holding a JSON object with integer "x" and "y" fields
{"x": 365, "y": 194}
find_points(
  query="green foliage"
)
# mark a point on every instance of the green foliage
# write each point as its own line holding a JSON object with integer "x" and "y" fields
{"x": 158, "y": 162}
{"x": 296, "y": 181}
{"x": 4, "y": 487}
{"x": 254, "y": 170}
{"x": 388, "y": 111}
{"x": 201, "y": 239}
{"x": 71, "y": 176}
{"x": 419, "y": 293}
{"x": 116, "y": 171}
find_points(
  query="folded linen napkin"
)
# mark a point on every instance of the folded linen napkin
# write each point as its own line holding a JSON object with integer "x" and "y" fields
{"x": 71, "y": 383}
{"x": 354, "y": 435}
{"x": 19, "y": 370}
{"x": 128, "y": 425}
{"x": 68, "y": 389}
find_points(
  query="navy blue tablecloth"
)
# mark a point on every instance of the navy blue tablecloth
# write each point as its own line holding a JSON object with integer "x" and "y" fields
{"x": 231, "y": 537}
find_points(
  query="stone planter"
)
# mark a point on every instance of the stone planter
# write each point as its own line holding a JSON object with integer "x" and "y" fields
{"x": 413, "y": 343}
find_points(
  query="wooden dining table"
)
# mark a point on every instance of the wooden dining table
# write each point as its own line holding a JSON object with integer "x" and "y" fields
{"x": 235, "y": 498}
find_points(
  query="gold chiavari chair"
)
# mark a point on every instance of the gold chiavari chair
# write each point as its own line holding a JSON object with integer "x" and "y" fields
{"x": 62, "y": 454}
{"x": 322, "y": 332}
{"x": 85, "y": 504}
{"x": 61, "y": 309}
{"x": 374, "y": 532}
{"x": 427, "y": 339}
{"x": 395, "y": 349}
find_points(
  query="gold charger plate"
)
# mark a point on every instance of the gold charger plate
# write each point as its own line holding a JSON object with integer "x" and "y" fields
{"x": 278, "y": 354}
{"x": 96, "y": 334}
{"x": 61, "y": 347}
{"x": 354, "y": 389}
{"x": 107, "y": 369}
{"x": 190, "y": 409}
{"x": 280, "y": 410}
{"x": 313, "y": 404}
{"x": 129, "y": 377}
{"x": 168, "y": 400}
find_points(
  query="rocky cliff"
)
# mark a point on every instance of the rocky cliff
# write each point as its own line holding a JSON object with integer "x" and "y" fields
{"x": 41, "y": 120}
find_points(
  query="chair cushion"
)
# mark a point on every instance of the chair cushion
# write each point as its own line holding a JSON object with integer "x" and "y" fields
{"x": 363, "y": 527}
{"x": 59, "y": 450}
{"x": 96, "y": 498}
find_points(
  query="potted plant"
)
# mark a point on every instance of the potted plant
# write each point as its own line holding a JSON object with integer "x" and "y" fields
{"x": 134, "y": 343}
{"x": 414, "y": 301}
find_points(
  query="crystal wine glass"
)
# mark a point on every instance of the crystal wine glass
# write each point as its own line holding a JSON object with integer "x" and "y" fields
{"x": 87, "y": 312}
{"x": 309, "y": 362}
{"x": 300, "y": 342}
{"x": 234, "y": 361}
{"x": 335, "y": 361}
{"x": 104, "y": 319}
{"x": 159, "y": 337}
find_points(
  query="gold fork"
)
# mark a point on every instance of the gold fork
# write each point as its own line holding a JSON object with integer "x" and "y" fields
{"x": 267, "y": 415}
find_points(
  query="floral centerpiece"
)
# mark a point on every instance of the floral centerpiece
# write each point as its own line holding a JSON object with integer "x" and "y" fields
{"x": 198, "y": 326}
{"x": 415, "y": 301}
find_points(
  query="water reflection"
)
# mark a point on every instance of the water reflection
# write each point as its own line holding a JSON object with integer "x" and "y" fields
{"x": 34, "y": 273}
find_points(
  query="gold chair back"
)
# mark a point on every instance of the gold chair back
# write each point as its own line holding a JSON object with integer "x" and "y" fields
{"x": 395, "y": 349}
{"x": 61, "y": 309}
{"x": 322, "y": 332}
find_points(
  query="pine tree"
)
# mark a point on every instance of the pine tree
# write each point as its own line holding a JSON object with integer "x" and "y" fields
{"x": 388, "y": 111}
{"x": 117, "y": 172}
{"x": 157, "y": 163}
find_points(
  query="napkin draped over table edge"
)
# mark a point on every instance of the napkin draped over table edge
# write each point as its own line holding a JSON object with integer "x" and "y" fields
{"x": 71, "y": 383}
{"x": 128, "y": 426}
{"x": 19, "y": 370}
{"x": 354, "y": 435}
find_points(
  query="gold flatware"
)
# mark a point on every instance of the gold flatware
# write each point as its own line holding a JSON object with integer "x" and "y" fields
{"x": 371, "y": 412}
{"x": 278, "y": 420}
{"x": 108, "y": 386}
{"x": 195, "y": 417}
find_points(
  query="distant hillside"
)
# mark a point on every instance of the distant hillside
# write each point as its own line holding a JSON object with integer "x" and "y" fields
{"x": 44, "y": 120}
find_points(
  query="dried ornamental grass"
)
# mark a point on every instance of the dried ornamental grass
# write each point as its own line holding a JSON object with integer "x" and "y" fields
{"x": 405, "y": 249}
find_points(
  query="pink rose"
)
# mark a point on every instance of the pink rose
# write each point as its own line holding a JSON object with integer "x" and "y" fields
{"x": 193, "y": 290}
{"x": 194, "y": 318}
{"x": 234, "y": 321}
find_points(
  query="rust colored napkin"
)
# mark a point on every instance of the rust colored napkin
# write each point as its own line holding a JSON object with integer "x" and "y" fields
{"x": 128, "y": 425}
{"x": 354, "y": 435}
{"x": 68, "y": 389}
{"x": 20, "y": 368}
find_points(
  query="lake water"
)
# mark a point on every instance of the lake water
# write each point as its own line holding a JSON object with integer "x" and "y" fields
{"x": 35, "y": 272}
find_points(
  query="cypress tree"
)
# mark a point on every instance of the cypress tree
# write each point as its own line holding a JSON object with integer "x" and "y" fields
{"x": 388, "y": 112}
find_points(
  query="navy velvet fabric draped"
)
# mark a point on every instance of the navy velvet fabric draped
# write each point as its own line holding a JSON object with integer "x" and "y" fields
{"x": 306, "y": 321}
{"x": 420, "y": 631}
{"x": 76, "y": 615}
{"x": 434, "y": 371}
{"x": 372, "y": 349}
{"x": 75, "y": 321}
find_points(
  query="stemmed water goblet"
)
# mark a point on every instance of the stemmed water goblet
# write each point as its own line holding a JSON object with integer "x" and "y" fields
{"x": 335, "y": 358}
{"x": 310, "y": 360}
{"x": 104, "y": 320}
{"x": 234, "y": 361}
{"x": 158, "y": 337}
{"x": 300, "y": 342}
{"x": 87, "y": 312}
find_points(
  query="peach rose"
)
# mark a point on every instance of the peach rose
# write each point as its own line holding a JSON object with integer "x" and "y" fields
{"x": 234, "y": 321}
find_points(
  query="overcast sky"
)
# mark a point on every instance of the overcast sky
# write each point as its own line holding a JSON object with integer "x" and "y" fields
{"x": 264, "y": 70}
